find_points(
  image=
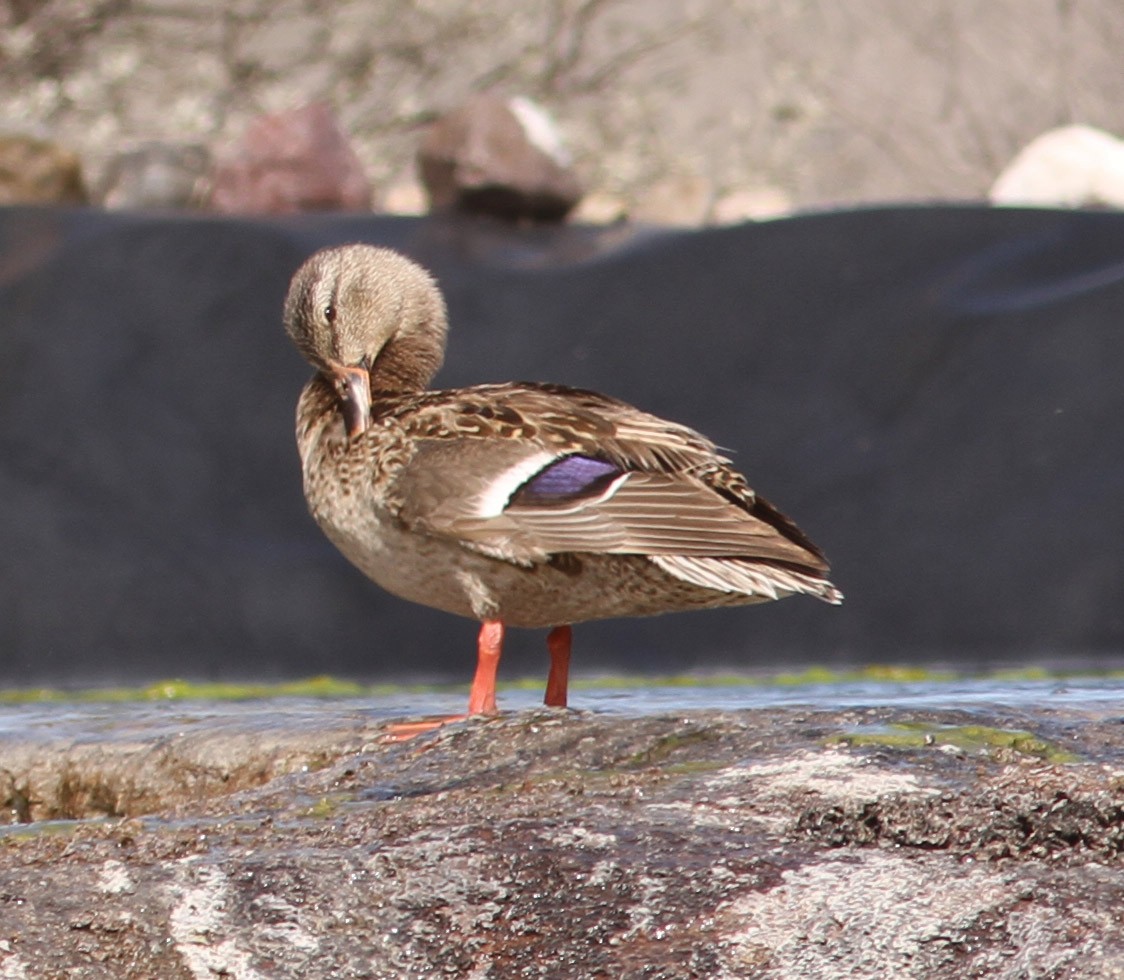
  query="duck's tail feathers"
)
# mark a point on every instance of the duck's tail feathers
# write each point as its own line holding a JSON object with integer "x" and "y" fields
{"x": 754, "y": 577}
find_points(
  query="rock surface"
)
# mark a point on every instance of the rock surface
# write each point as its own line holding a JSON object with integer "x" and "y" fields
{"x": 771, "y": 843}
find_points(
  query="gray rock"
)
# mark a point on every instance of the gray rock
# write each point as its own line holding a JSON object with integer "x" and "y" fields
{"x": 771, "y": 843}
{"x": 157, "y": 175}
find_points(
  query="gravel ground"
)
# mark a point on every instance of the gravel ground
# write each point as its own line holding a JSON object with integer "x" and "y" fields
{"x": 675, "y": 112}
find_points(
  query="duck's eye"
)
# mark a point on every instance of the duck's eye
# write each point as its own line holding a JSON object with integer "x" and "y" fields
{"x": 330, "y": 313}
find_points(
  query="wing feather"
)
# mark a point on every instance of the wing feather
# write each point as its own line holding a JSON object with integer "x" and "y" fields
{"x": 658, "y": 514}
{"x": 474, "y": 450}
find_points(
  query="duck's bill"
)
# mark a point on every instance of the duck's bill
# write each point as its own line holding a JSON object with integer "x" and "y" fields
{"x": 353, "y": 385}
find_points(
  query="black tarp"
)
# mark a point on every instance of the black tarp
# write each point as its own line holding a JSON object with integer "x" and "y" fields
{"x": 935, "y": 394}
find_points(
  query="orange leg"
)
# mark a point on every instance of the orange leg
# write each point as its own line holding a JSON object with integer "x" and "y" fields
{"x": 489, "y": 646}
{"x": 482, "y": 697}
{"x": 558, "y": 642}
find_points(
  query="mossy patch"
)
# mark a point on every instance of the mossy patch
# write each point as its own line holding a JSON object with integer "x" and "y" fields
{"x": 17, "y": 833}
{"x": 327, "y": 807}
{"x": 667, "y": 745}
{"x": 182, "y": 690}
{"x": 334, "y": 687}
{"x": 979, "y": 739}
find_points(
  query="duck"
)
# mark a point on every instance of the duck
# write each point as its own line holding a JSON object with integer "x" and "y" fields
{"x": 523, "y": 504}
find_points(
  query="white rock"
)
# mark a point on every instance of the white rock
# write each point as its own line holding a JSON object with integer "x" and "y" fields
{"x": 1072, "y": 166}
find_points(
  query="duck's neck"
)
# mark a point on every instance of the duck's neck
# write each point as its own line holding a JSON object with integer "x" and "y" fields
{"x": 410, "y": 359}
{"x": 407, "y": 364}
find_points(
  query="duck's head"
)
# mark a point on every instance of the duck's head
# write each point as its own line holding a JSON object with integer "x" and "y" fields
{"x": 368, "y": 319}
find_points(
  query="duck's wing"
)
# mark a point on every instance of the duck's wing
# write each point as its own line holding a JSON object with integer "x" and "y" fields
{"x": 526, "y": 472}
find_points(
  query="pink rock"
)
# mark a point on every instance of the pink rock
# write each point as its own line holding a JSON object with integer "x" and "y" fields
{"x": 299, "y": 160}
{"x": 501, "y": 157}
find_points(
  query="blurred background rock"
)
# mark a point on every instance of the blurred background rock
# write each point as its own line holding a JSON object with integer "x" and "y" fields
{"x": 674, "y": 112}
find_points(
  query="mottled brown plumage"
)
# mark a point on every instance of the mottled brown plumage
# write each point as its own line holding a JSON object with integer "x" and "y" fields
{"x": 521, "y": 504}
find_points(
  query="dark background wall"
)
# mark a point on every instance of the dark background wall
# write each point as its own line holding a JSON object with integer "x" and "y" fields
{"x": 933, "y": 393}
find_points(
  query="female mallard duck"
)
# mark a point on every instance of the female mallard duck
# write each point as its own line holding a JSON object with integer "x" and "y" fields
{"x": 521, "y": 504}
